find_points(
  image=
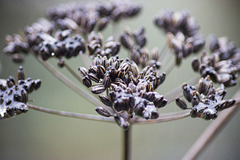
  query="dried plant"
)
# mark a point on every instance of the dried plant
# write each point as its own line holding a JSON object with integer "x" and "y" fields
{"x": 124, "y": 90}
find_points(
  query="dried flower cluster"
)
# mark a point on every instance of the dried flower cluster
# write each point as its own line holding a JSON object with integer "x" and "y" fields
{"x": 64, "y": 19}
{"x": 87, "y": 16}
{"x": 206, "y": 100}
{"x": 96, "y": 47}
{"x": 222, "y": 65}
{"x": 14, "y": 96}
{"x": 182, "y": 33}
{"x": 135, "y": 43}
{"x": 128, "y": 91}
{"x": 126, "y": 87}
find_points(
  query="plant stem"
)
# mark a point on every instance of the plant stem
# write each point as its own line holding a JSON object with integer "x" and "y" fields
{"x": 69, "y": 68}
{"x": 69, "y": 83}
{"x": 163, "y": 52}
{"x": 163, "y": 118}
{"x": 72, "y": 115}
{"x": 212, "y": 130}
{"x": 127, "y": 144}
{"x": 170, "y": 68}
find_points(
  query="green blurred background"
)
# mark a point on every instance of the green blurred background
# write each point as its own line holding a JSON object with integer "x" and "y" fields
{"x": 36, "y": 135}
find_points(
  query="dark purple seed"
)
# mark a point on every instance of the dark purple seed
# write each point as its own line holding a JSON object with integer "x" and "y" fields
{"x": 181, "y": 103}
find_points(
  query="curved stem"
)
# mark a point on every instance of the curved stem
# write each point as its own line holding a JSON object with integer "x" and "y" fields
{"x": 69, "y": 83}
{"x": 170, "y": 68}
{"x": 127, "y": 144}
{"x": 212, "y": 130}
{"x": 69, "y": 68}
{"x": 163, "y": 52}
{"x": 72, "y": 115}
{"x": 164, "y": 117}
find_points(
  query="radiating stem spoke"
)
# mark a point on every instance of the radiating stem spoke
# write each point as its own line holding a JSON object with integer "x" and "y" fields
{"x": 163, "y": 117}
{"x": 69, "y": 83}
{"x": 72, "y": 115}
{"x": 69, "y": 68}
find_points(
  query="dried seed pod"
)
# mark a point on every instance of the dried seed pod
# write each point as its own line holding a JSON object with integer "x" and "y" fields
{"x": 120, "y": 73}
{"x": 126, "y": 42}
{"x": 93, "y": 77}
{"x": 37, "y": 84}
{"x": 105, "y": 100}
{"x": 195, "y": 64}
{"x": 100, "y": 71}
{"x": 83, "y": 71}
{"x": 92, "y": 69}
{"x": 181, "y": 103}
{"x": 87, "y": 81}
{"x": 103, "y": 112}
{"x": 20, "y": 74}
{"x": 204, "y": 85}
{"x": 134, "y": 69}
{"x": 107, "y": 80}
{"x": 187, "y": 91}
{"x": 98, "y": 89}
{"x": 103, "y": 22}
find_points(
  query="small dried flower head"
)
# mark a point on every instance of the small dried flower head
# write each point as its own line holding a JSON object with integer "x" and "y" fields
{"x": 182, "y": 33}
{"x": 219, "y": 70}
{"x": 96, "y": 46}
{"x": 206, "y": 100}
{"x": 14, "y": 95}
{"x": 129, "y": 92}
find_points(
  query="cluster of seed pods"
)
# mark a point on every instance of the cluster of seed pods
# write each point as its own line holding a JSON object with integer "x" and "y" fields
{"x": 182, "y": 33}
{"x": 40, "y": 41}
{"x": 96, "y": 47}
{"x": 222, "y": 65}
{"x": 14, "y": 95}
{"x": 129, "y": 92}
{"x": 206, "y": 100}
{"x": 88, "y": 16}
{"x": 135, "y": 43}
{"x": 64, "y": 19}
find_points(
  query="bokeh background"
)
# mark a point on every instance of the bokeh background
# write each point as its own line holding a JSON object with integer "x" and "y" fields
{"x": 37, "y": 135}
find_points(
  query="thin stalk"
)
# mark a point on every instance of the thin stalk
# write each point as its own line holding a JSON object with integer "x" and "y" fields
{"x": 161, "y": 54}
{"x": 170, "y": 68}
{"x": 212, "y": 130}
{"x": 72, "y": 115}
{"x": 166, "y": 58}
{"x": 69, "y": 83}
{"x": 69, "y": 68}
{"x": 164, "y": 118}
{"x": 127, "y": 144}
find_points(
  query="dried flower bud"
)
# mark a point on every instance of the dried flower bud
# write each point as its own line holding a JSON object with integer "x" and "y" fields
{"x": 181, "y": 103}
{"x": 103, "y": 112}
